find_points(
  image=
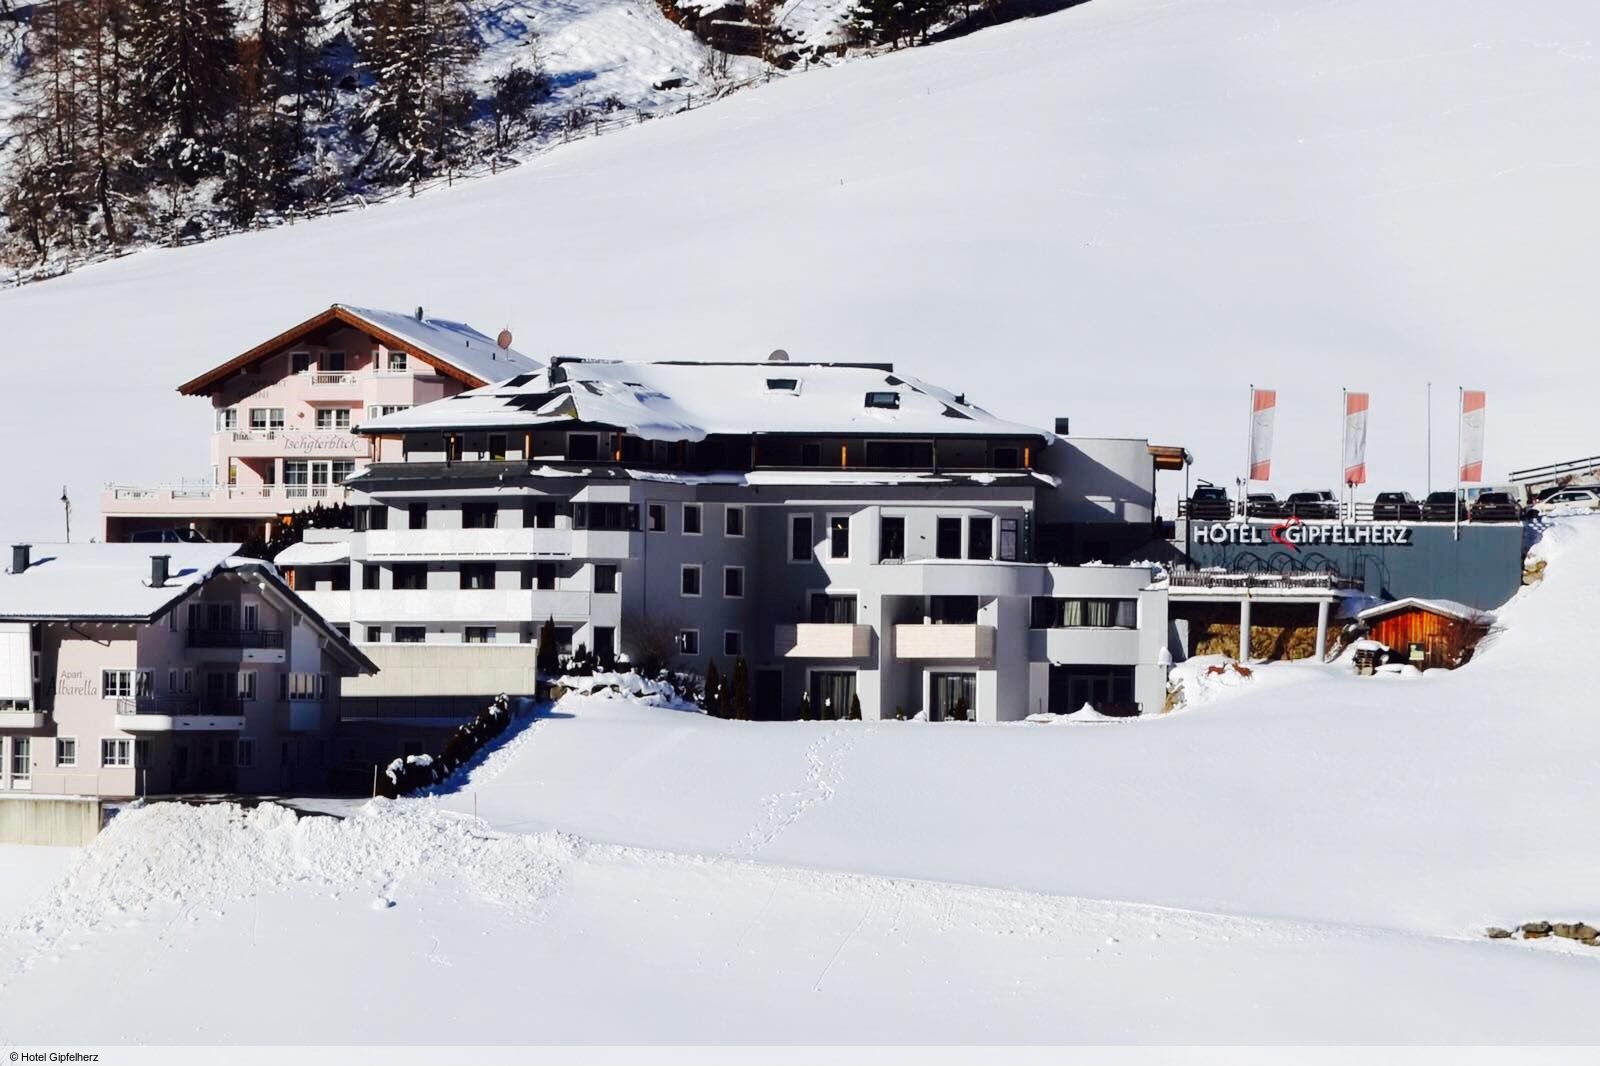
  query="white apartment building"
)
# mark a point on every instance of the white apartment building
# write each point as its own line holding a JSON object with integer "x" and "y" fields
{"x": 846, "y": 530}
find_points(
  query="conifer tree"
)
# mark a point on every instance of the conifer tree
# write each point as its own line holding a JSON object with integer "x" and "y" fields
{"x": 419, "y": 106}
{"x": 713, "y": 687}
{"x": 741, "y": 689}
{"x": 183, "y": 58}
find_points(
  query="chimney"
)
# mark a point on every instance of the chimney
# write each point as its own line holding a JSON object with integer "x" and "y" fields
{"x": 419, "y": 312}
{"x": 1061, "y": 427}
{"x": 20, "y": 557}
{"x": 159, "y": 565}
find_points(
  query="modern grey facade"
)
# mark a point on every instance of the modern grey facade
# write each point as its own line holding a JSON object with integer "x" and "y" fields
{"x": 862, "y": 535}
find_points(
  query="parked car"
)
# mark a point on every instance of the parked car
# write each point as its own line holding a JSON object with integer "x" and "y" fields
{"x": 1263, "y": 505}
{"x": 1396, "y": 507}
{"x": 1444, "y": 506}
{"x": 1320, "y": 504}
{"x": 1568, "y": 500}
{"x": 1495, "y": 507}
{"x": 175, "y": 535}
{"x": 1210, "y": 503}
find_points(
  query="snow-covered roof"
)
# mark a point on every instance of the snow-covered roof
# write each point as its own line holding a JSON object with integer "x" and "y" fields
{"x": 110, "y": 581}
{"x": 453, "y": 348}
{"x": 1448, "y": 608}
{"x": 676, "y": 401}
{"x": 308, "y": 553}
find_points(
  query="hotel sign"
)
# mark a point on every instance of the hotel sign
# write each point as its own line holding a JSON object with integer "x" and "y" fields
{"x": 313, "y": 443}
{"x": 1295, "y": 534}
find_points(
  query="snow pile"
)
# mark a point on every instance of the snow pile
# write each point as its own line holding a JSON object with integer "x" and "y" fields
{"x": 610, "y": 684}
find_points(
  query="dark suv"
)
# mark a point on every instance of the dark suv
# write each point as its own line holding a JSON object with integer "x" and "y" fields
{"x": 1322, "y": 504}
{"x": 1442, "y": 507}
{"x": 1210, "y": 503}
{"x": 1495, "y": 507}
{"x": 1396, "y": 507}
{"x": 1263, "y": 505}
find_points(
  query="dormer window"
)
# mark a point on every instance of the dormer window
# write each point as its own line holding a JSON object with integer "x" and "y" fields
{"x": 888, "y": 401}
{"x": 784, "y": 385}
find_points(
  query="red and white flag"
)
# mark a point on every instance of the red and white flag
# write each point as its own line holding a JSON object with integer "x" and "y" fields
{"x": 1355, "y": 438}
{"x": 1263, "y": 404}
{"x": 1472, "y": 435}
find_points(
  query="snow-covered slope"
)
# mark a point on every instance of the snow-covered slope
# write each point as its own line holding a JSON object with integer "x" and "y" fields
{"x": 1312, "y": 857}
{"x": 1123, "y": 213}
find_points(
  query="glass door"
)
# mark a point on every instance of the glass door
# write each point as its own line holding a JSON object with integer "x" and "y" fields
{"x": 321, "y": 476}
{"x": 831, "y": 692}
{"x": 953, "y": 697}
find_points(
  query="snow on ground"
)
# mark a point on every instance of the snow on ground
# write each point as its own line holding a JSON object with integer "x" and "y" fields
{"x": 1309, "y": 856}
{"x": 1123, "y": 213}
{"x": 27, "y": 874}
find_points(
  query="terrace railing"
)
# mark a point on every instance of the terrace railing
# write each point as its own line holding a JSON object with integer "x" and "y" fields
{"x": 235, "y": 638}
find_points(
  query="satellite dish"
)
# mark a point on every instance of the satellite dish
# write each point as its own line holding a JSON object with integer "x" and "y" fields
{"x": 504, "y": 340}
{"x": 778, "y": 356}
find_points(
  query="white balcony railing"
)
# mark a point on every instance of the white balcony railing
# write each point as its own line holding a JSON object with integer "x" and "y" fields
{"x": 935, "y": 641}
{"x": 823, "y": 640}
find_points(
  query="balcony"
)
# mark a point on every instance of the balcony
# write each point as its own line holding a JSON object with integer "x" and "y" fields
{"x": 291, "y": 443}
{"x": 168, "y": 714}
{"x": 508, "y": 543}
{"x": 235, "y": 638}
{"x": 205, "y": 500}
{"x": 21, "y": 719}
{"x": 935, "y": 641}
{"x": 823, "y": 640}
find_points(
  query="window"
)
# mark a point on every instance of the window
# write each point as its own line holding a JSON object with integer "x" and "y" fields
{"x": 658, "y": 518}
{"x": 479, "y": 515}
{"x": 1059, "y": 613}
{"x": 839, "y": 536}
{"x": 497, "y": 447}
{"x": 409, "y": 634}
{"x": 477, "y": 575}
{"x": 800, "y": 544}
{"x": 397, "y": 362}
{"x": 790, "y": 385}
{"x": 605, "y": 577}
{"x": 333, "y": 362}
{"x": 732, "y": 643}
{"x": 333, "y": 418}
{"x": 947, "y": 538}
{"x": 417, "y": 516}
{"x": 733, "y": 521}
{"x": 1008, "y": 539}
{"x": 247, "y": 752}
{"x": 541, "y": 514}
{"x": 250, "y": 617}
{"x": 301, "y": 686}
{"x": 612, "y": 516}
{"x": 479, "y": 635}
{"x": 228, "y": 418}
{"x": 811, "y": 454}
{"x": 122, "y": 684}
{"x": 830, "y": 609}
{"x": 891, "y": 538}
{"x": 899, "y": 454}
{"x": 689, "y": 641}
{"x": 952, "y": 697}
{"x": 953, "y": 610}
{"x": 886, "y": 400}
{"x": 378, "y": 410}
{"x": 980, "y": 538}
{"x": 369, "y": 576}
{"x": 539, "y": 576}
{"x": 266, "y": 418}
{"x": 689, "y": 580}
{"x": 66, "y": 751}
{"x": 583, "y": 446}
{"x": 299, "y": 362}
{"x": 115, "y": 752}
{"x": 296, "y": 476}
{"x": 410, "y": 575}
{"x": 247, "y": 684}
{"x": 21, "y": 761}
{"x": 374, "y": 634}
{"x": 691, "y": 518}
{"x": 1007, "y": 457}
{"x": 733, "y": 582}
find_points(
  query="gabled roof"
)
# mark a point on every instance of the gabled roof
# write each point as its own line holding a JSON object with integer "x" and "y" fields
{"x": 688, "y": 401}
{"x": 454, "y": 349}
{"x": 111, "y": 583}
{"x": 1445, "y": 608}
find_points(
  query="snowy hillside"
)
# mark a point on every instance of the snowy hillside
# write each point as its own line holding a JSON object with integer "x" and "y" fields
{"x": 1124, "y": 213}
{"x": 1312, "y": 857}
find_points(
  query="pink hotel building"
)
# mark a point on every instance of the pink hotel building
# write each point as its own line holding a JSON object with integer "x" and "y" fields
{"x": 285, "y": 410}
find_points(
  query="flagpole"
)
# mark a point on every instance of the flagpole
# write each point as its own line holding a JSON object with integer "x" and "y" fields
{"x": 1344, "y": 442}
{"x": 1461, "y": 405}
{"x": 1249, "y": 444}
{"x": 1429, "y": 444}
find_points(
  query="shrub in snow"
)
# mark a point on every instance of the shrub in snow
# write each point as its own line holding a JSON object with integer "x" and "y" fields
{"x": 855, "y": 707}
{"x": 415, "y": 772}
{"x": 739, "y": 698}
{"x": 713, "y": 687}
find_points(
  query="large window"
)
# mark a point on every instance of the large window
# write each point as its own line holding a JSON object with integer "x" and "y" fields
{"x": 952, "y": 697}
{"x": 899, "y": 454}
{"x": 980, "y": 537}
{"x": 541, "y": 514}
{"x": 539, "y": 576}
{"x": 1062, "y": 613}
{"x": 583, "y": 446}
{"x": 410, "y": 575}
{"x": 801, "y": 543}
{"x": 953, "y": 610}
{"x": 830, "y": 609}
{"x": 477, "y": 576}
{"x": 409, "y": 634}
{"x": 479, "y": 515}
{"x": 892, "y": 538}
{"x": 605, "y": 516}
{"x": 947, "y": 538}
{"x": 831, "y": 692}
